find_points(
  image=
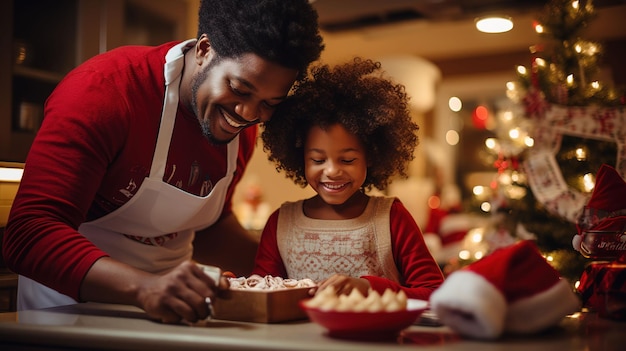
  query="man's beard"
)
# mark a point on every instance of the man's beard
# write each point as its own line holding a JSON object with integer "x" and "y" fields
{"x": 195, "y": 86}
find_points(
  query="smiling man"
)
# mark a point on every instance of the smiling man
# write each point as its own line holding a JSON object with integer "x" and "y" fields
{"x": 143, "y": 146}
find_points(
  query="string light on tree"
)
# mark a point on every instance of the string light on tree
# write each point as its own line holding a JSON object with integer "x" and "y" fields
{"x": 566, "y": 57}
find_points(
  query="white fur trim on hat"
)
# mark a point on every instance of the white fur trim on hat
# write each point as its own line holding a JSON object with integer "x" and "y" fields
{"x": 456, "y": 222}
{"x": 542, "y": 310}
{"x": 470, "y": 305}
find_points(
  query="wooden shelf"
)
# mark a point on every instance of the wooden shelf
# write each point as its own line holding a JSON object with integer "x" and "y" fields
{"x": 37, "y": 74}
{"x": 56, "y": 36}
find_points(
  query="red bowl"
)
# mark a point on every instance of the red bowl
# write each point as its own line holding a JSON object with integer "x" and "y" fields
{"x": 366, "y": 325}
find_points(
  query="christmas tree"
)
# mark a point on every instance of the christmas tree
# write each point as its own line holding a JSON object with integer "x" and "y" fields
{"x": 566, "y": 121}
{"x": 565, "y": 69}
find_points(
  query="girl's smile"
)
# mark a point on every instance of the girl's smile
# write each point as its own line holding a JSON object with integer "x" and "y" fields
{"x": 335, "y": 165}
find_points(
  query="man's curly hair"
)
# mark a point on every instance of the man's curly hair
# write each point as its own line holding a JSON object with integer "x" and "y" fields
{"x": 280, "y": 31}
{"x": 368, "y": 105}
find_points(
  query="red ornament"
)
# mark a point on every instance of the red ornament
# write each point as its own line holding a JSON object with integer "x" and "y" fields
{"x": 480, "y": 115}
{"x": 535, "y": 103}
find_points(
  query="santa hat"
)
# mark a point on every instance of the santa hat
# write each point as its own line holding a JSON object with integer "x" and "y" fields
{"x": 606, "y": 209}
{"x": 609, "y": 194}
{"x": 514, "y": 290}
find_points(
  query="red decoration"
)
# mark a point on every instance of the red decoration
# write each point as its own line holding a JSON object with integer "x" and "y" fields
{"x": 603, "y": 288}
{"x": 503, "y": 163}
{"x": 480, "y": 115}
{"x": 535, "y": 103}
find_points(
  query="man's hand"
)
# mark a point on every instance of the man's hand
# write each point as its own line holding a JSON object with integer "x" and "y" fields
{"x": 180, "y": 294}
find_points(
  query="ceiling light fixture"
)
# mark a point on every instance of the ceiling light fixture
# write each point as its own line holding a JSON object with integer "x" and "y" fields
{"x": 494, "y": 24}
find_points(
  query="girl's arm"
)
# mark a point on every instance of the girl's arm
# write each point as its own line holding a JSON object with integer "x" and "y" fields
{"x": 268, "y": 260}
{"x": 419, "y": 273}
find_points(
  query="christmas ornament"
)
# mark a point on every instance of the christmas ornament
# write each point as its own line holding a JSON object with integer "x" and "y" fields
{"x": 602, "y": 236}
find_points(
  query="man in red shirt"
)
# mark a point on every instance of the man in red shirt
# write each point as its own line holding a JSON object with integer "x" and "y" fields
{"x": 140, "y": 148}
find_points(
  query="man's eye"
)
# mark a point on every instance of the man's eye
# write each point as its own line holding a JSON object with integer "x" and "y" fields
{"x": 237, "y": 91}
{"x": 271, "y": 105}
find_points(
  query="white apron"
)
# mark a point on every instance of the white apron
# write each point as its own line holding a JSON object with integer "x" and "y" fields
{"x": 155, "y": 210}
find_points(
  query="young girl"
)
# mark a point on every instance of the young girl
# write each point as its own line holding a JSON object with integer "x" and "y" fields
{"x": 343, "y": 131}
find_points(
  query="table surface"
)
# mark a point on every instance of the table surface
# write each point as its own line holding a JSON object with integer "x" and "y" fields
{"x": 92, "y": 326}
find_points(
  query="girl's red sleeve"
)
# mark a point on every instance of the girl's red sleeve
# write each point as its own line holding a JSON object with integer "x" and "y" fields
{"x": 419, "y": 273}
{"x": 268, "y": 260}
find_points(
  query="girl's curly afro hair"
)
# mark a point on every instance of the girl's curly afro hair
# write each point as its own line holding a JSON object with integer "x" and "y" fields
{"x": 357, "y": 96}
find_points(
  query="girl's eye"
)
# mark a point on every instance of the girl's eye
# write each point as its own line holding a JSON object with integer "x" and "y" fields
{"x": 316, "y": 161}
{"x": 349, "y": 161}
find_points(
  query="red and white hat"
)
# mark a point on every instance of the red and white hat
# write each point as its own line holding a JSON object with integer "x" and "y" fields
{"x": 606, "y": 209}
{"x": 514, "y": 289}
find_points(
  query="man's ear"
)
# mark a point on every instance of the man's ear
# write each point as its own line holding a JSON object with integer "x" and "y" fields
{"x": 203, "y": 47}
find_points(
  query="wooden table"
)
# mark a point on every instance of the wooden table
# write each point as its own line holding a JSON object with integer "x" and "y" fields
{"x": 8, "y": 291}
{"x": 93, "y": 326}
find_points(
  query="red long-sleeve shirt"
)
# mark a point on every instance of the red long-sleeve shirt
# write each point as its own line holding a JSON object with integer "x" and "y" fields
{"x": 419, "y": 273}
{"x": 92, "y": 153}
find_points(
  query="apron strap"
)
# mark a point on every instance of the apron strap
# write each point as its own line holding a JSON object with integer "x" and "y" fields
{"x": 173, "y": 68}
